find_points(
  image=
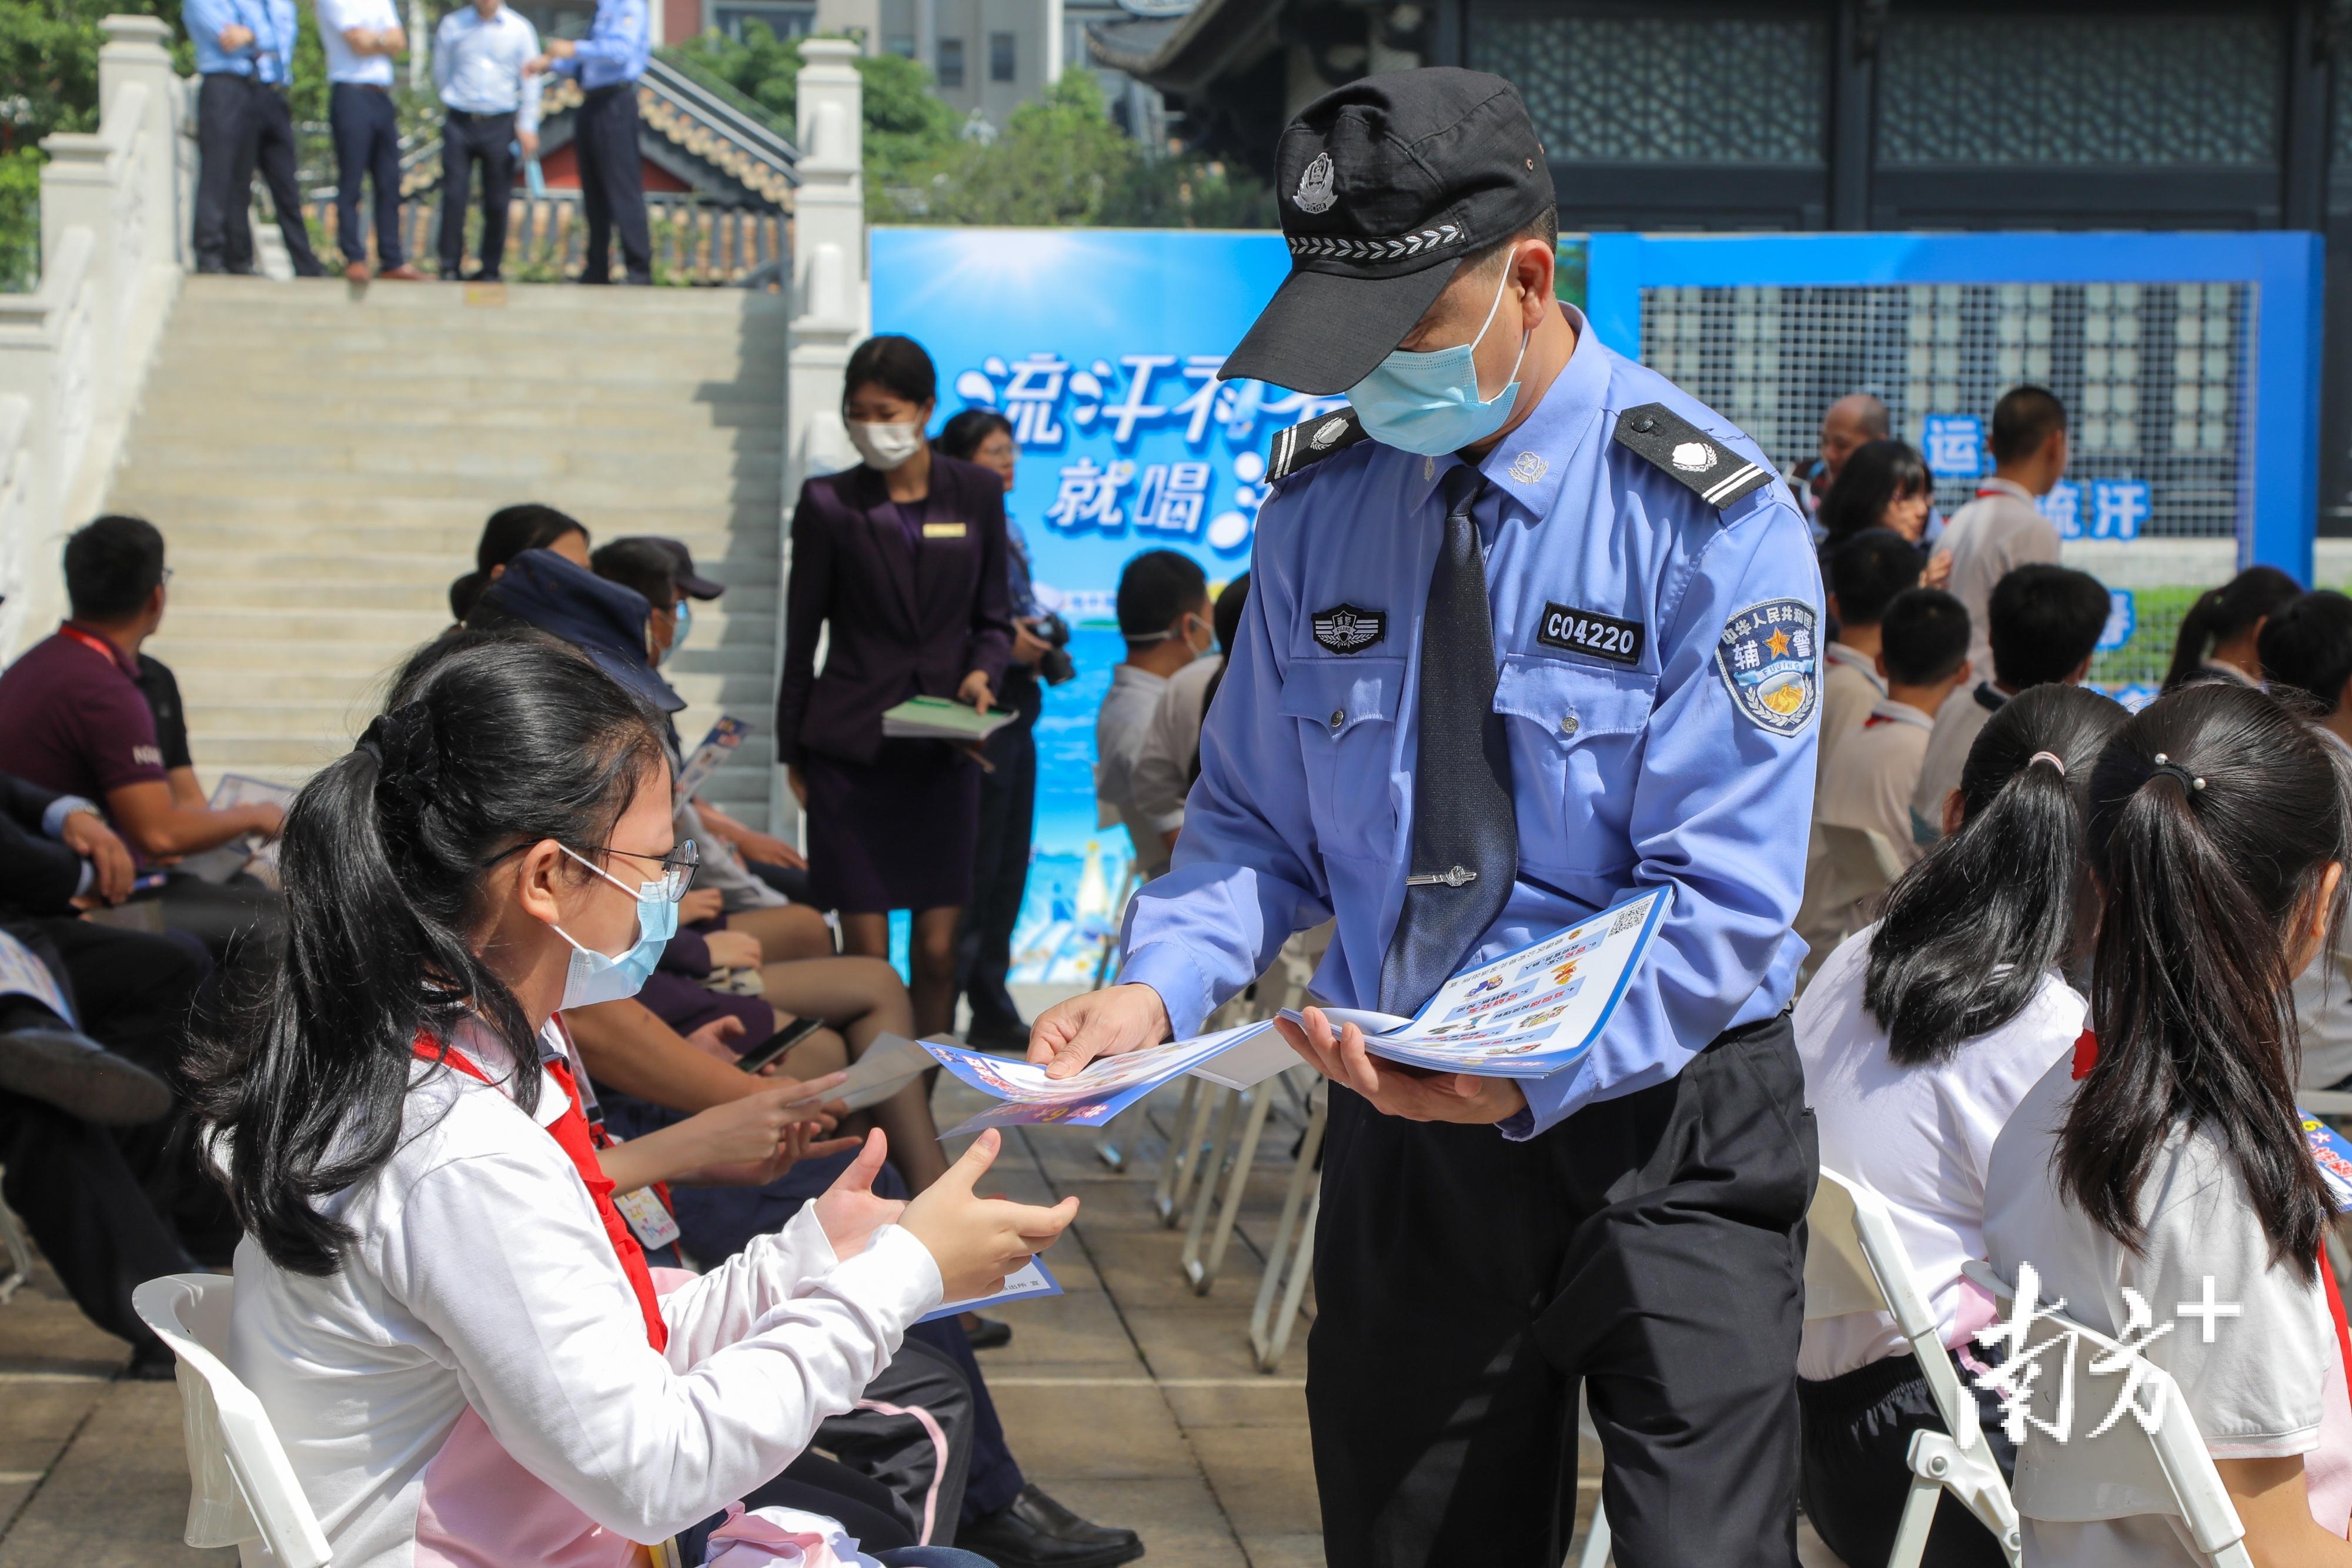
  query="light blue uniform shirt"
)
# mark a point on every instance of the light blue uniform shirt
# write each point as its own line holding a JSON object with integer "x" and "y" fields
{"x": 345, "y": 63}
{"x": 1625, "y": 777}
{"x": 477, "y": 65}
{"x": 274, "y": 27}
{"x": 615, "y": 49}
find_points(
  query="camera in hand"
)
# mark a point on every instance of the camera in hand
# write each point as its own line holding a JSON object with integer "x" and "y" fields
{"x": 1055, "y": 664}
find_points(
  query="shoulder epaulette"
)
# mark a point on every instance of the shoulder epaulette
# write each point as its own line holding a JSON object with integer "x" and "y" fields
{"x": 1312, "y": 442}
{"x": 1688, "y": 455}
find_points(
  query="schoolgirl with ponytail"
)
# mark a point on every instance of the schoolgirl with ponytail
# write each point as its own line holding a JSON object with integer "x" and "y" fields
{"x": 1919, "y": 1035}
{"x": 2166, "y": 1158}
{"x": 2222, "y": 634}
{"x": 453, "y": 1334}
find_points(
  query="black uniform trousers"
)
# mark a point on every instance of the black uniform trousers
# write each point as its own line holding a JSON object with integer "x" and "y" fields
{"x": 1650, "y": 1247}
{"x": 1000, "y": 870}
{"x": 243, "y": 125}
{"x": 103, "y": 1204}
{"x": 465, "y": 139}
{"x": 611, "y": 182}
{"x": 367, "y": 147}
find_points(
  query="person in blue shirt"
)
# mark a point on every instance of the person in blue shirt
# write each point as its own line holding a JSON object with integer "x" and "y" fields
{"x": 244, "y": 58}
{"x": 1528, "y": 630}
{"x": 607, "y": 63}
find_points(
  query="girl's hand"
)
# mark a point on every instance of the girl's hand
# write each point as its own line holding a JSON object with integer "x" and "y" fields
{"x": 803, "y": 1141}
{"x": 702, "y": 904}
{"x": 732, "y": 949}
{"x": 758, "y": 1125}
{"x": 715, "y": 1037}
{"x": 976, "y": 1241}
{"x": 851, "y": 1211}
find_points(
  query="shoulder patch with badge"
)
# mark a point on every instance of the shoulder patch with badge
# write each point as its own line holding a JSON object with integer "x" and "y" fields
{"x": 1344, "y": 629}
{"x": 1313, "y": 441}
{"x": 1689, "y": 455}
{"x": 1768, "y": 656}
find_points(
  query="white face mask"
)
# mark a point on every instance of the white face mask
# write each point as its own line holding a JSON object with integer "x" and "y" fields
{"x": 885, "y": 446}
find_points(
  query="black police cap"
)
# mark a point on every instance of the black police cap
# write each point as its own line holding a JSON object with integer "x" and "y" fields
{"x": 1384, "y": 184}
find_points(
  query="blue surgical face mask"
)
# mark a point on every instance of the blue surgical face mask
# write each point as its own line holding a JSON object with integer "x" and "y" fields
{"x": 1428, "y": 403}
{"x": 596, "y": 976}
{"x": 685, "y": 625}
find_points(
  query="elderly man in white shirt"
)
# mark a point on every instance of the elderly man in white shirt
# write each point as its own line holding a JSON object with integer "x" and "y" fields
{"x": 2002, "y": 528}
{"x": 361, "y": 37}
{"x": 1163, "y": 613}
{"x": 478, "y": 53}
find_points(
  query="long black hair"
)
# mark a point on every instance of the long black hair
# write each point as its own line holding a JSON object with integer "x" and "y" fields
{"x": 1970, "y": 931}
{"x": 2224, "y": 613}
{"x": 499, "y": 742}
{"x": 968, "y": 430}
{"x": 2214, "y": 817}
{"x": 1875, "y": 474}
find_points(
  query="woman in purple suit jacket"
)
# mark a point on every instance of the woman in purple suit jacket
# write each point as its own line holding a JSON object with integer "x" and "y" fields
{"x": 903, "y": 558}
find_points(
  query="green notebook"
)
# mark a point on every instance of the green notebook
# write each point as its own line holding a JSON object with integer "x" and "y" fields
{"x": 937, "y": 718}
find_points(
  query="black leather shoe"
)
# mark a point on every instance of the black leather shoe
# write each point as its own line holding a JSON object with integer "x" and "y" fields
{"x": 1033, "y": 1530}
{"x": 67, "y": 1068}
{"x": 988, "y": 1333}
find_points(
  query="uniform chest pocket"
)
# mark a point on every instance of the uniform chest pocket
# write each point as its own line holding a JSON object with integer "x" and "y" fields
{"x": 1576, "y": 746}
{"x": 1345, "y": 711}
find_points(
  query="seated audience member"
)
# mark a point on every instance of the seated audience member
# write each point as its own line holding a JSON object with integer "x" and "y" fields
{"x": 2164, "y": 1158}
{"x": 1923, "y": 657}
{"x": 1846, "y": 423}
{"x": 452, "y": 1331}
{"x": 1919, "y": 1035}
{"x": 1883, "y": 484}
{"x": 75, "y": 718}
{"x": 2046, "y": 621}
{"x": 1163, "y": 608}
{"x": 2220, "y": 637}
{"x": 510, "y": 531}
{"x": 1171, "y": 757}
{"x": 2003, "y": 529}
{"x": 2307, "y": 656}
{"x": 1865, "y": 572}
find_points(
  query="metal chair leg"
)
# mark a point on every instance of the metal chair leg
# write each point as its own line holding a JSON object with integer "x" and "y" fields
{"x": 1596, "y": 1540}
{"x": 1185, "y": 1163}
{"x": 1202, "y": 1271}
{"x": 1214, "y": 1164}
{"x": 1291, "y": 1254}
{"x": 19, "y": 1249}
{"x": 1164, "y": 1191}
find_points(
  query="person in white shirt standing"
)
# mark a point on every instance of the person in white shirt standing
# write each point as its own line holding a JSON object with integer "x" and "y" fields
{"x": 1163, "y": 613}
{"x": 361, "y": 37}
{"x": 450, "y": 1326}
{"x": 1171, "y": 755}
{"x": 1919, "y": 1036}
{"x": 478, "y": 53}
{"x": 1923, "y": 656}
{"x": 1865, "y": 572}
{"x": 2002, "y": 528}
{"x": 2306, "y": 653}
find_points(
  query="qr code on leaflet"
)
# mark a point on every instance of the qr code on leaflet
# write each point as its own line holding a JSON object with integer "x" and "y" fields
{"x": 1629, "y": 918}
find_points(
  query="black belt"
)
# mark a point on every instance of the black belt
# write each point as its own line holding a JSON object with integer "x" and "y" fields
{"x": 469, "y": 116}
{"x": 364, "y": 86}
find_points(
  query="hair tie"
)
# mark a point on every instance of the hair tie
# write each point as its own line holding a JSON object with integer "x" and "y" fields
{"x": 2166, "y": 764}
{"x": 2052, "y": 758}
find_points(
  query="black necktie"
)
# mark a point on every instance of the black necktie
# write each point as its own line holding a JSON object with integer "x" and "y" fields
{"x": 1466, "y": 836}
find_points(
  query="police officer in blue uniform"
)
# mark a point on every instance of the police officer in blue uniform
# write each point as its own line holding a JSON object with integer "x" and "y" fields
{"x": 1528, "y": 630}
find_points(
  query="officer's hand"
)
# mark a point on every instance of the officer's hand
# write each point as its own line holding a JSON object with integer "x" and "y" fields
{"x": 561, "y": 49}
{"x": 1100, "y": 1023}
{"x": 1393, "y": 1092}
{"x": 234, "y": 37}
{"x": 528, "y": 141}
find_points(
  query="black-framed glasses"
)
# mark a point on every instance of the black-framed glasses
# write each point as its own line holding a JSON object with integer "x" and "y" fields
{"x": 678, "y": 867}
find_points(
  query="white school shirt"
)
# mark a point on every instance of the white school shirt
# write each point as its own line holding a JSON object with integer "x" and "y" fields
{"x": 1919, "y": 1136}
{"x": 1163, "y": 775}
{"x": 1850, "y": 688}
{"x": 474, "y": 1383}
{"x": 2264, "y": 1388}
{"x": 1868, "y": 783}
{"x": 1957, "y": 724}
{"x": 1120, "y": 727}
{"x": 2322, "y": 1001}
{"x": 1998, "y": 531}
{"x": 337, "y": 17}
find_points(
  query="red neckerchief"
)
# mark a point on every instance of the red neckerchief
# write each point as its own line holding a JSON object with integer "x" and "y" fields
{"x": 571, "y": 1136}
{"x": 94, "y": 642}
{"x": 2086, "y": 1057}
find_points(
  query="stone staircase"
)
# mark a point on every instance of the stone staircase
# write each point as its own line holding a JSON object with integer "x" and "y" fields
{"x": 320, "y": 459}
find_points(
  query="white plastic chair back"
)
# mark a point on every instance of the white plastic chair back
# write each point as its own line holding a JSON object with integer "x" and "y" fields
{"x": 244, "y": 1488}
{"x": 2126, "y": 1472}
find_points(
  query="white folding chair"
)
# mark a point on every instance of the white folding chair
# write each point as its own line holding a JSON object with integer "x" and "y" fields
{"x": 1291, "y": 1254}
{"x": 244, "y": 1488}
{"x": 2127, "y": 1470}
{"x": 19, "y": 1250}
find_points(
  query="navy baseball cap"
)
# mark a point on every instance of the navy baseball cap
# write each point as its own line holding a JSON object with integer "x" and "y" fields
{"x": 1384, "y": 184}
{"x": 691, "y": 583}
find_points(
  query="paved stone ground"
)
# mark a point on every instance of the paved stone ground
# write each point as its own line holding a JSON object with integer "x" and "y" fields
{"x": 1129, "y": 1397}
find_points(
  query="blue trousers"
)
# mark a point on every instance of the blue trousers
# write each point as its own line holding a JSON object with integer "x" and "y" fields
{"x": 367, "y": 146}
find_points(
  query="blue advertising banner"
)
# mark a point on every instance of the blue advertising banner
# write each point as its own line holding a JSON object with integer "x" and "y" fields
{"x": 1102, "y": 347}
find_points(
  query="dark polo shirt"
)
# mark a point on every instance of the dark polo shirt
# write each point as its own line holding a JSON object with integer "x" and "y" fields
{"x": 74, "y": 719}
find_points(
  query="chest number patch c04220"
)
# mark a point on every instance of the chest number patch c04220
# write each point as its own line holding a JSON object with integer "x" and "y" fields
{"x": 1769, "y": 658}
{"x": 1344, "y": 629}
{"x": 1586, "y": 632}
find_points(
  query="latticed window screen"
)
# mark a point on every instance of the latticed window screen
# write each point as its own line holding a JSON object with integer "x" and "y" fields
{"x": 2073, "y": 90}
{"x": 2154, "y": 377}
{"x": 1661, "y": 90}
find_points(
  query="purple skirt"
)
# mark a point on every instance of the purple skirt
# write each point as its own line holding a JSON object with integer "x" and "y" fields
{"x": 898, "y": 832}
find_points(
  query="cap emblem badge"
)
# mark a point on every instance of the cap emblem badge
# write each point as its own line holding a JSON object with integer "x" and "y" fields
{"x": 1316, "y": 193}
{"x": 1527, "y": 467}
{"x": 1693, "y": 456}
